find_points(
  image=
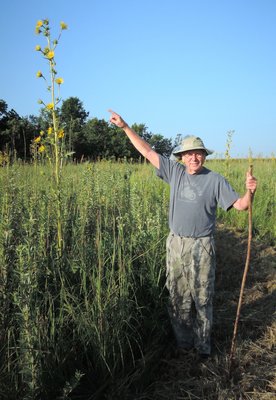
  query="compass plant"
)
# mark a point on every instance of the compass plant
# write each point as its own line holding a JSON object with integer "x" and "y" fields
{"x": 50, "y": 143}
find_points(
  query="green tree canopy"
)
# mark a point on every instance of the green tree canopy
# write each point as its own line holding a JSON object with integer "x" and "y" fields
{"x": 91, "y": 139}
{"x": 73, "y": 117}
{"x": 16, "y": 132}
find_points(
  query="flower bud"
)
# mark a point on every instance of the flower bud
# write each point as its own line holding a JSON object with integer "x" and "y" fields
{"x": 63, "y": 25}
{"x": 60, "y": 133}
{"x": 50, "y": 54}
{"x": 50, "y": 106}
{"x": 41, "y": 148}
{"x": 39, "y": 24}
{"x": 59, "y": 81}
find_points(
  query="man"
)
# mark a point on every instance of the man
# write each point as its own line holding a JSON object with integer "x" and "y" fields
{"x": 195, "y": 194}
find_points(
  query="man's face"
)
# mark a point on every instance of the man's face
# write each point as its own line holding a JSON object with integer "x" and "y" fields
{"x": 194, "y": 160}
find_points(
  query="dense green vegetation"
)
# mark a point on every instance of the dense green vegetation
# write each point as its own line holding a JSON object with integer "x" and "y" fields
{"x": 94, "y": 317}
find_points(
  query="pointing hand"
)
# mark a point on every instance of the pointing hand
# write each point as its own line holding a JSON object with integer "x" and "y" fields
{"x": 117, "y": 120}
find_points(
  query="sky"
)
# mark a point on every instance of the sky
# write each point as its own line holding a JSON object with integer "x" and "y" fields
{"x": 200, "y": 67}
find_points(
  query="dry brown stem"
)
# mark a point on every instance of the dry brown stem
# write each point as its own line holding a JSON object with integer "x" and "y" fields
{"x": 233, "y": 343}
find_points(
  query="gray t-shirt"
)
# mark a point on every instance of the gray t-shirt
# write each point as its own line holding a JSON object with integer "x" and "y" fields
{"x": 194, "y": 198}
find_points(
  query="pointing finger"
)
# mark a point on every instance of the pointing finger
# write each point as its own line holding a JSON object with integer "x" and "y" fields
{"x": 112, "y": 112}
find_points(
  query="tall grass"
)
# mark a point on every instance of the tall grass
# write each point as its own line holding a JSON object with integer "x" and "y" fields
{"x": 264, "y": 206}
{"x": 92, "y": 314}
{"x": 84, "y": 310}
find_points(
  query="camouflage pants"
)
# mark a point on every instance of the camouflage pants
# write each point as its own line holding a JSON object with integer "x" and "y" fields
{"x": 190, "y": 281}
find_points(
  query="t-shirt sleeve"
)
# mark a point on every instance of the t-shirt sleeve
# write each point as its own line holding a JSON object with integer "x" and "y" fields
{"x": 226, "y": 195}
{"x": 165, "y": 168}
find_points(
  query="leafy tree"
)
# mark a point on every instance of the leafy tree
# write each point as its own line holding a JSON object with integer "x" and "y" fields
{"x": 119, "y": 144}
{"x": 158, "y": 142}
{"x": 3, "y": 109}
{"x": 6, "y": 115}
{"x": 72, "y": 109}
{"x": 28, "y": 131}
{"x": 98, "y": 139}
{"x": 16, "y": 133}
{"x": 9, "y": 127}
{"x": 93, "y": 139}
{"x": 44, "y": 119}
{"x": 73, "y": 117}
{"x": 178, "y": 139}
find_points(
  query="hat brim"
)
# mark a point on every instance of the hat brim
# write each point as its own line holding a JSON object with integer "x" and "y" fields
{"x": 182, "y": 150}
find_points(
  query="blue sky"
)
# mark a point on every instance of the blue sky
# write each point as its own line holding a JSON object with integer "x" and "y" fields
{"x": 190, "y": 67}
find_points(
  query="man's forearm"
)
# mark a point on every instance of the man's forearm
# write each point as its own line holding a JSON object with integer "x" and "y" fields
{"x": 139, "y": 143}
{"x": 242, "y": 203}
{"x": 142, "y": 146}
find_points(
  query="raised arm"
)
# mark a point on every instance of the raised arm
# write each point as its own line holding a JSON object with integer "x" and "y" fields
{"x": 140, "y": 144}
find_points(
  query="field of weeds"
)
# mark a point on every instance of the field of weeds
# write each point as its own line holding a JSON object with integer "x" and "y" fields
{"x": 87, "y": 319}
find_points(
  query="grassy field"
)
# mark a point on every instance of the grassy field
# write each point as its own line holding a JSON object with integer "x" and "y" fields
{"x": 90, "y": 322}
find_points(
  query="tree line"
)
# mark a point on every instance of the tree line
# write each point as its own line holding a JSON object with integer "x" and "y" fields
{"x": 86, "y": 138}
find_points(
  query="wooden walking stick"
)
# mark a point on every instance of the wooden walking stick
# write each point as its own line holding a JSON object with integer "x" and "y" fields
{"x": 233, "y": 344}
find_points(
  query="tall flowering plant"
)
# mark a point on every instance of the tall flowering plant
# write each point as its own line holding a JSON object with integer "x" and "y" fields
{"x": 50, "y": 143}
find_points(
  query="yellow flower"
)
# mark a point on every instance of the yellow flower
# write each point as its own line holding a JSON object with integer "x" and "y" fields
{"x": 41, "y": 133}
{"x": 41, "y": 148}
{"x": 39, "y": 24}
{"x": 39, "y": 74}
{"x": 50, "y": 54}
{"x": 63, "y": 25}
{"x": 59, "y": 81}
{"x": 37, "y": 47}
{"x": 60, "y": 133}
{"x": 37, "y": 139}
{"x": 50, "y": 130}
{"x": 50, "y": 106}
